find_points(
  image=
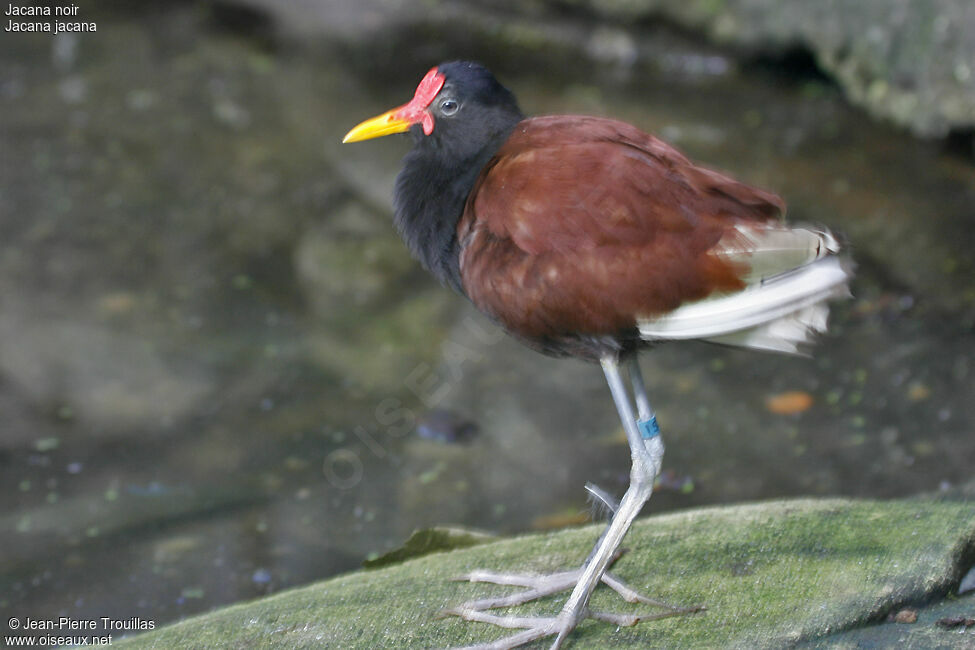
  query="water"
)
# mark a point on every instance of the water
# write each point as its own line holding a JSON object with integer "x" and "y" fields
{"x": 214, "y": 350}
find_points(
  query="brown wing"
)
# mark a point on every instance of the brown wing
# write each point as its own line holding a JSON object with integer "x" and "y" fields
{"x": 579, "y": 225}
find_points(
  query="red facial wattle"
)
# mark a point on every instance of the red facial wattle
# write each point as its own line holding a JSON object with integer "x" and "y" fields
{"x": 416, "y": 110}
{"x": 402, "y": 118}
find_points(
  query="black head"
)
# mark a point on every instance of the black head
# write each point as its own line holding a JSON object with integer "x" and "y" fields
{"x": 459, "y": 116}
{"x": 471, "y": 110}
{"x": 458, "y": 109}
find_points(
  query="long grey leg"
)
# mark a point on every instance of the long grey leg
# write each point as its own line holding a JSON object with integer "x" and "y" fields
{"x": 647, "y": 456}
{"x": 646, "y": 452}
{"x": 647, "y": 424}
{"x": 639, "y": 389}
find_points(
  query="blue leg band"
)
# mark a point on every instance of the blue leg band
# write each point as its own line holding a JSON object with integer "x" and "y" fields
{"x": 648, "y": 428}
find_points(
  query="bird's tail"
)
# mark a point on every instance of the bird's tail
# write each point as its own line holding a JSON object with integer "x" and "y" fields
{"x": 793, "y": 272}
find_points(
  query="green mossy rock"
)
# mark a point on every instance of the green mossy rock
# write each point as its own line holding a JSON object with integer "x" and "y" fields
{"x": 771, "y": 574}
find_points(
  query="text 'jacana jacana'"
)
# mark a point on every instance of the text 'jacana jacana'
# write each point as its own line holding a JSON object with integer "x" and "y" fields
{"x": 587, "y": 237}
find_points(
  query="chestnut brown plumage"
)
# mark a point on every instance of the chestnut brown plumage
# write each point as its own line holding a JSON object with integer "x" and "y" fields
{"x": 587, "y": 237}
{"x": 579, "y": 225}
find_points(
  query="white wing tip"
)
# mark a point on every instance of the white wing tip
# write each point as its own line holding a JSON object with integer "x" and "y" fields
{"x": 782, "y": 314}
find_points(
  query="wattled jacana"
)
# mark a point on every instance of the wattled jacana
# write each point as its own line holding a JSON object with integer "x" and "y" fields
{"x": 586, "y": 237}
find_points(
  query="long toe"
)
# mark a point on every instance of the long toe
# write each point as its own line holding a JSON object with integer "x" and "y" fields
{"x": 540, "y": 586}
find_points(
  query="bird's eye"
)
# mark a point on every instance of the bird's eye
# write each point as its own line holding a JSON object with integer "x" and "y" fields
{"x": 449, "y": 107}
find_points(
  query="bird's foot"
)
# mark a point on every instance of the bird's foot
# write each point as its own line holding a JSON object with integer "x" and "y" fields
{"x": 539, "y": 586}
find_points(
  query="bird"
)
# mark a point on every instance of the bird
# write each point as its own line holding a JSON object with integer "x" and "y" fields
{"x": 586, "y": 237}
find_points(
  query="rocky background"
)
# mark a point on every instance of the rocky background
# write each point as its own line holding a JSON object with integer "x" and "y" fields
{"x": 905, "y": 61}
{"x": 221, "y": 374}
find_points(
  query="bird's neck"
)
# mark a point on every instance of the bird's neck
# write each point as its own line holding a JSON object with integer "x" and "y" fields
{"x": 431, "y": 192}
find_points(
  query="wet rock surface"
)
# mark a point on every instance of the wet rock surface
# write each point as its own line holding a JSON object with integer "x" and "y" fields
{"x": 214, "y": 351}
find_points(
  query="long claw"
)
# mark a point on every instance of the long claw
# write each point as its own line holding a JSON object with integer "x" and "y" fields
{"x": 511, "y": 600}
{"x": 631, "y": 595}
{"x": 526, "y": 622}
{"x": 512, "y": 641}
{"x": 626, "y": 620}
{"x": 512, "y": 579}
